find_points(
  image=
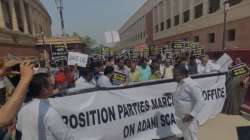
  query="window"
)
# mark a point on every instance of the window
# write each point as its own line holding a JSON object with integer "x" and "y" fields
{"x": 231, "y": 35}
{"x": 176, "y": 20}
{"x": 214, "y": 5}
{"x": 198, "y": 11}
{"x": 186, "y": 16}
{"x": 156, "y": 28}
{"x": 162, "y": 26}
{"x": 211, "y": 38}
{"x": 168, "y": 23}
{"x": 196, "y": 39}
{"x": 234, "y": 2}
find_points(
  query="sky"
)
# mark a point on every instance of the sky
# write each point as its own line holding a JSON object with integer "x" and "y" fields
{"x": 92, "y": 17}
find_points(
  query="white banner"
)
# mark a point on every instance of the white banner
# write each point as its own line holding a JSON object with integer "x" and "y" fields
{"x": 78, "y": 59}
{"x": 143, "y": 112}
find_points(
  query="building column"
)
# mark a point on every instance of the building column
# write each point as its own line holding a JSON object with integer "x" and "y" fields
{"x": 2, "y": 24}
{"x": 164, "y": 10}
{"x": 181, "y": 11}
{"x": 172, "y": 12}
{"x": 24, "y": 19}
{"x": 205, "y": 7}
{"x": 13, "y": 15}
{"x": 31, "y": 20}
{"x": 191, "y": 9}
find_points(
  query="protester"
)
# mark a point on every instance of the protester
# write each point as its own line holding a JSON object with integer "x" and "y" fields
{"x": 192, "y": 66}
{"x": 188, "y": 103}
{"x": 9, "y": 110}
{"x": 105, "y": 79}
{"x": 85, "y": 81}
{"x": 134, "y": 72}
{"x": 236, "y": 91}
{"x": 98, "y": 68}
{"x": 60, "y": 78}
{"x": 207, "y": 66}
{"x": 45, "y": 122}
{"x": 110, "y": 61}
{"x": 166, "y": 70}
{"x": 144, "y": 70}
{"x": 155, "y": 70}
{"x": 69, "y": 76}
{"x": 123, "y": 69}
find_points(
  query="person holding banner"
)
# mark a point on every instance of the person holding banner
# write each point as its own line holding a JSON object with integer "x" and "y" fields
{"x": 188, "y": 103}
{"x": 37, "y": 120}
{"x": 104, "y": 80}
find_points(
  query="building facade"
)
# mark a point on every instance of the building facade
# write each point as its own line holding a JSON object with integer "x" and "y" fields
{"x": 158, "y": 22}
{"x": 21, "y": 22}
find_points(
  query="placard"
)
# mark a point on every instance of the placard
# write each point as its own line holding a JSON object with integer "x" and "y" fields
{"x": 59, "y": 52}
{"x": 78, "y": 59}
{"x": 118, "y": 78}
{"x": 240, "y": 70}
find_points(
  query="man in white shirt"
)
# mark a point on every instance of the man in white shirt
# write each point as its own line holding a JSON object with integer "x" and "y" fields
{"x": 37, "y": 120}
{"x": 85, "y": 81}
{"x": 105, "y": 79}
{"x": 207, "y": 66}
{"x": 188, "y": 103}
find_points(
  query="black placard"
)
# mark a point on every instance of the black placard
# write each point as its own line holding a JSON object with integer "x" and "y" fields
{"x": 240, "y": 70}
{"x": 59, "y": 52}
{"x": 118, "y": 78}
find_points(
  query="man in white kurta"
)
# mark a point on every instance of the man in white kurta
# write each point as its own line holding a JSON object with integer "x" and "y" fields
{"x": 207, "y": 66}
{"x": 188, "y": 103}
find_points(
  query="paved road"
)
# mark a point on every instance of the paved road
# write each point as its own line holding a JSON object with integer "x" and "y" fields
{"x": 222, "y": 127}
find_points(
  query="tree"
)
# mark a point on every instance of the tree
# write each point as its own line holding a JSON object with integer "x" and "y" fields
{"x": 90, "y": 42}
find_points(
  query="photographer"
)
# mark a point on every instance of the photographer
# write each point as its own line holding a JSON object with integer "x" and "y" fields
{"x": 9, "y": 110}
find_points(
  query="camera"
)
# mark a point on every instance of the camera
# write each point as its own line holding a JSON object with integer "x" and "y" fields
{"x": 17, "y": 66}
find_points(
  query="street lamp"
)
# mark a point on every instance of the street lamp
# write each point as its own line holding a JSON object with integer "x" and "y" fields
{"x": 226, "y": 8}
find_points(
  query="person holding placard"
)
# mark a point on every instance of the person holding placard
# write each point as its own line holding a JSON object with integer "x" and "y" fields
{"x": 123, "y": 69}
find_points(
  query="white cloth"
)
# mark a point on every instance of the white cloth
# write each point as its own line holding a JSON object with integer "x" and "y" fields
{"x": 104, "y": 81}
{"x": 189, "y": 130}
{"x": 38, "y": 121}
{"x": 81, "y": 82}
{"x": 208, "y": 68}
{"x": 188, "y": 100}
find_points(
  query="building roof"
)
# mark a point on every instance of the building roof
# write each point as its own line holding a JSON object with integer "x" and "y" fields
{"x": 58, "y": 40}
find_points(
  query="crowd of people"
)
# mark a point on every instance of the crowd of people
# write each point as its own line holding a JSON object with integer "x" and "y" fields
{"x": 33, "y": 85}
{"x": 100, "y": 73}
